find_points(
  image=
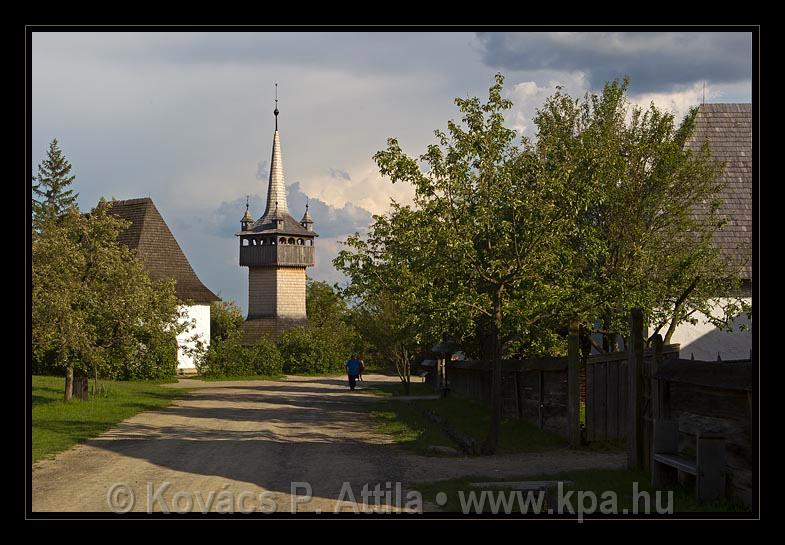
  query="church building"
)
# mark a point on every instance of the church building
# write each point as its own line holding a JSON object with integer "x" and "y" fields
{"x": 276, "y": 248}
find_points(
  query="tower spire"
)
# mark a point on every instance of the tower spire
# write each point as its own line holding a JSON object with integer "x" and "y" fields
{"x": 276, "y": 107}
{"x": 276, "y": 188}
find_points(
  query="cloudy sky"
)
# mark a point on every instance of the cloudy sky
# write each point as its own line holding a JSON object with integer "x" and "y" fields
{"x": 186, "y": 118}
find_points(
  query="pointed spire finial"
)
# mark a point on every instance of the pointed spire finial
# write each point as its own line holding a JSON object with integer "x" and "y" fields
{"x": 247, "y": 201}
{"x": 276, "y": 107}
{"x": 307, "y": 201}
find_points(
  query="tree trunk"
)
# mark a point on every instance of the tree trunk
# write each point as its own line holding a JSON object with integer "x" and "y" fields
{"x": 496, "y": 373}
{"x": 69, "y": 382}
{"x": 408, "y": 374}
{"x": 610, "y": 342}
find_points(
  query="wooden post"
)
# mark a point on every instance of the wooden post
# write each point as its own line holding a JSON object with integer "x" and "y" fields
{"x": 541, "y": 400}
{"x": 657, "y": 398}
{"x": 573, "y": 388}
{"x": 439, "y": 382}
{"x": 710, "y": 480}
{"x": 635, "y": 391}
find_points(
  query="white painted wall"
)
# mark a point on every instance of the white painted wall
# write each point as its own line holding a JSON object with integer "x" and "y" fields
{"x": 201, "y": 315}
{"x": 704, "y": 341}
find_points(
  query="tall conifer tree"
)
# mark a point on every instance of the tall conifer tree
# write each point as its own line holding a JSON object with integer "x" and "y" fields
{"x": 51, "y": 195}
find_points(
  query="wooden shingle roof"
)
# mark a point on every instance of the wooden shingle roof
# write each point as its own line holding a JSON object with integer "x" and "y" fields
{"x": 728, "y": 130}
{"x": 149, "y": 235}
{"x": 266, "y": 226}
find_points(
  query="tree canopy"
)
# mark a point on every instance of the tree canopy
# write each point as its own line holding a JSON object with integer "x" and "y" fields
{"x": 509, "y": 238}
{"x": 94, "y": 308}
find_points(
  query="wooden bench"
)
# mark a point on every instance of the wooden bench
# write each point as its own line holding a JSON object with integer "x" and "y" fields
{"x": 708, "y": 467}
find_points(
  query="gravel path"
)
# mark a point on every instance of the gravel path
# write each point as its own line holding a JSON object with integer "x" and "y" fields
{"x": 241, "y": 445}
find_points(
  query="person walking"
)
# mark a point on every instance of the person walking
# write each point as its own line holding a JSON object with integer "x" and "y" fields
{"x": 353, "y": 370}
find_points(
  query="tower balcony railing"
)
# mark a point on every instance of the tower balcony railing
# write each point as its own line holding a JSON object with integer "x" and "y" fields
{"x": 284, "y": 255}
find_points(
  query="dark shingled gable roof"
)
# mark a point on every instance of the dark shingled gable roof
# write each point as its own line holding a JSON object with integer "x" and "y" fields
{"x": 728, "y": 130}
{"x": 149, "y": 235}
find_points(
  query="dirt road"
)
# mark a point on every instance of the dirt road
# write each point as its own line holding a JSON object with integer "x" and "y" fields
{"x": 244, "y": 446}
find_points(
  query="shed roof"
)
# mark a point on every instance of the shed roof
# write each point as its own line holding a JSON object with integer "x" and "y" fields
{"x": 162, "y": 256}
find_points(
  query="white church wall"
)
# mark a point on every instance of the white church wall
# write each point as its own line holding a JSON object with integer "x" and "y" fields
{"x": 201, "y": 315}
{"x": 704, "y": 341}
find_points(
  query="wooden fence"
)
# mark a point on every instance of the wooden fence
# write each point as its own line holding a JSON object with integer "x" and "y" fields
{"x": 532, "y": 389}
{"x": 606, "y": 392}
{"x": 711, "y": 395}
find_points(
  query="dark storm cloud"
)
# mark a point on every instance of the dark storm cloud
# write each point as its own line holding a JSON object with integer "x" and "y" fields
{"x": 654, "y": 61}
{"x": 329, "y": 221}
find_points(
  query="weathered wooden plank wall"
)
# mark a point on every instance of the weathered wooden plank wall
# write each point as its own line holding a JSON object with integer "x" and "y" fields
{"x": 721, "y": 403}
{"x": 606, "y": 394}
{"x": 535, "y": 390}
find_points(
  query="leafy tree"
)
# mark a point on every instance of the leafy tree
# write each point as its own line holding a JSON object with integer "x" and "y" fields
{"x": 314, "y": 350}
{"x": 387, "y": 334}
{"x": 323, "y": 305}
{"x": 94, "y": 308}
{"x": 51, "y": 196}
{"x": 484, "y": 241}
{"x": 226, "y": 320}
{"x": 646, "y": 235}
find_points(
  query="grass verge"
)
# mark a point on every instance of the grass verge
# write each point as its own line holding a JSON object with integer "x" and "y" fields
{"x": 396, "y": 389}
{"x": 222, "y": 378}
{"x": 405, "y": 421}
{"x": 473, "y": 419}
{"x": 408, "y": 427}
{"x": 57, "y": 425}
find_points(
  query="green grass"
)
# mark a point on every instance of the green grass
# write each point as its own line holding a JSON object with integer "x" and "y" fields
{"x": 598, "y": 481}
{"x": 236, "y": 377}
{"x": 474, "y": 419}
{"x": 405, "y": 421}
{"x": 395, "y": 389}
{"x": 408, "y": 427}
{"x": 57, "y": 425}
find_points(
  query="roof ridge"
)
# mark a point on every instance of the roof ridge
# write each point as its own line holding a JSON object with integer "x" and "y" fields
{"x": 136, "y": 200}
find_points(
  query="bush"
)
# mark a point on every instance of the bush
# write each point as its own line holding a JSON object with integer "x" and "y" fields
{"x": 265, "y": 358}
{"x": 224, "y": 357}
{"x": 158, "y": 360}
{"x": 230, "y": 358}
{"x": 316, "y": 350}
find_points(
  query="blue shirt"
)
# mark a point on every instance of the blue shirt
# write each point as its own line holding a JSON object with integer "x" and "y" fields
{"x": 353, "y": 367}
